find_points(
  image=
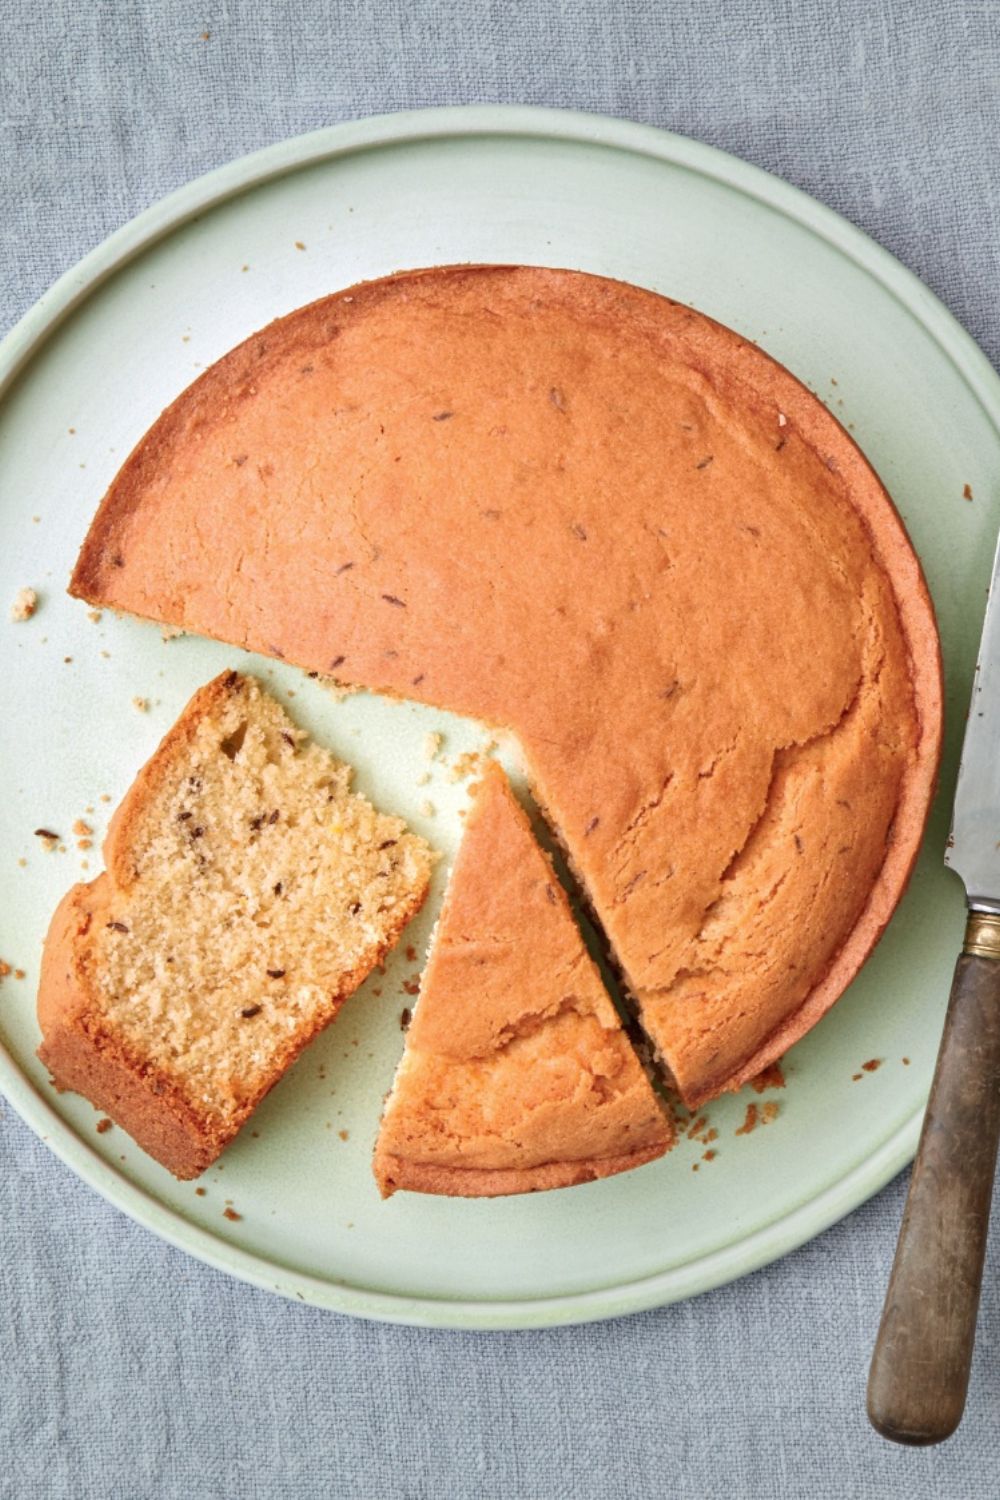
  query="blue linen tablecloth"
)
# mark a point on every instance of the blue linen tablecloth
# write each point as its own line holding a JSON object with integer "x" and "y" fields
{"x": 130, "y": 1370}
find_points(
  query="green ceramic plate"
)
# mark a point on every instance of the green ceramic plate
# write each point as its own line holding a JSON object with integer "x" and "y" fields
{"x": 85, "y": 374}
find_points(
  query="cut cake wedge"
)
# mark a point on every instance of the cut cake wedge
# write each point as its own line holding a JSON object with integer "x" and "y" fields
{"x": 517, "y": 1074}
{"x": 248, "y": 892}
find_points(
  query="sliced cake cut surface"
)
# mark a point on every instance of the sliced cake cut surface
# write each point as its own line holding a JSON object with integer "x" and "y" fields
{"x": 517, "y": 1074}
{"x": 595, "y": 517}
{"x": 247, "y": 893}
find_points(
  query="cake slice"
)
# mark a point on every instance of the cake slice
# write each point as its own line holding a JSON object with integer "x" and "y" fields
{"x": 517, "y": 1074}
{"x": 248, "y": 892}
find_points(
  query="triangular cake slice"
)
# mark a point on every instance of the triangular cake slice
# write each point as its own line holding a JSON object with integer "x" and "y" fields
{"x": 248, "y": 892}
{"x": 517, "y": 1074}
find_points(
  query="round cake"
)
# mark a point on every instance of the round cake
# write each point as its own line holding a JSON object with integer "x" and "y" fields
{"x": 592, "y": 516}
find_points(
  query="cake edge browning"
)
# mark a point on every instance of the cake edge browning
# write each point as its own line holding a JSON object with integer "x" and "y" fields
{"x": 894, "y": 554}
{"x": 394, "y": 1173}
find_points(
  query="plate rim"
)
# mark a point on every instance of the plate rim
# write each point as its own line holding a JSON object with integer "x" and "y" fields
{"x": 815, "y": 1213}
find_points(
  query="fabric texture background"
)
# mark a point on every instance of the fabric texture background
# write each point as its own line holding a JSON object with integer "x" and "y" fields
{"x": 131, "y": 1371}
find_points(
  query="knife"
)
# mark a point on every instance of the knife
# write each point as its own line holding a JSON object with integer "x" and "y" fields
{"x": 920, "y": 1366}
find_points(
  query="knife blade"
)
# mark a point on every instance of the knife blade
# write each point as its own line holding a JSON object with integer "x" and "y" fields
{"x": 973, "y": 848}
{"x": 920, "y": 1365}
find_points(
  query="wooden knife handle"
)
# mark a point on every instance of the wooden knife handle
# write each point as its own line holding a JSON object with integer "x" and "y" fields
{"x": 920, "y": 1367}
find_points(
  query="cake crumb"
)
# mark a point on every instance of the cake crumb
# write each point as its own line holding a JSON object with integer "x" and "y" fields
{"x": 23, "y": 863}
{"x": 463, "y": 766}
{"x": 770, "y": 1111}
{"x": 24, "y": 605}
{"x": 709, "y": 1155}
{"x": 84, "y": 844}
{"x": 423, "y": 778}
{"x": 856, "y": 1077}
{"x": 142, "y": 704}
{"x": 405, "y": 1017}
{"x": 299, "y": 245}
{"x": 103, "y": 1126}
{"x": 4, "y": 968}
{"x": 19, "y": 974}
{"x": 427, "y": 808}
{"x": 906, "y": 1062}
{"x": 96, "y": 615}
{"x": 872, "y": 1065}
{"x": 695, "y": 1166}
{"x": 696, "y": 1127}
{"x": 432, "y": 744}
{"x": 770, "y": 1078}
{"x": 199, "y": 1192}
{"x": 231, "y": 1215}
{"x": 344, "y": 1134}
{"x": 49, "y": 839}
{"x": 104, "y": 797}
{"x": 967, "y": 492}
{"x": 411, "y": 954}
{"x": 749, "y": 1121}
{"x": 337, "y": 690}
{"x": 82, "y": 829}
{"x": 411, "y": 987}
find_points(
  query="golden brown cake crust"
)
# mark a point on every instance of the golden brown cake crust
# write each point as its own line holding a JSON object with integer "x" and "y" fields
{"x": 517, "y": 1074}
{"x": 87, "y": 1051}
{"x": 399, "y": 1173}
{"x": 679, "y": 583}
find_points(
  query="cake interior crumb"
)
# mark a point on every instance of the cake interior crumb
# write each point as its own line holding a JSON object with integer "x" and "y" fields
{"x": 263, "y": 884}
